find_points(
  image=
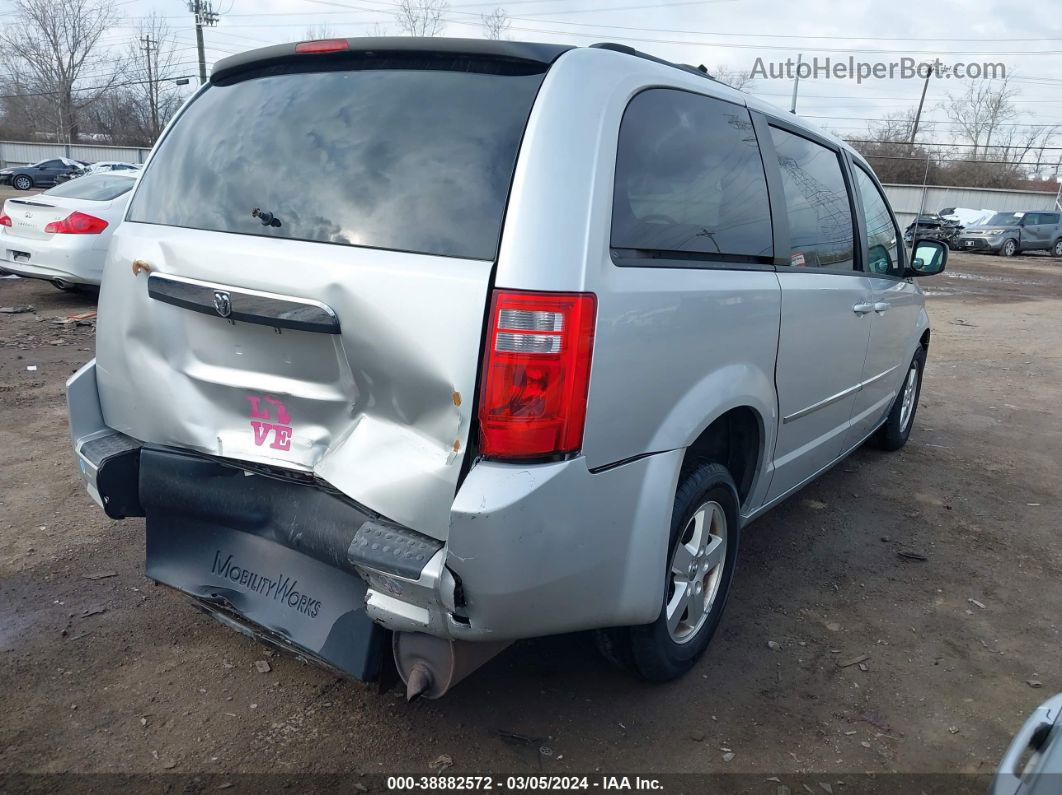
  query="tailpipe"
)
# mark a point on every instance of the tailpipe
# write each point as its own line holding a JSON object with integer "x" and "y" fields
{"x": 430, "y": 666}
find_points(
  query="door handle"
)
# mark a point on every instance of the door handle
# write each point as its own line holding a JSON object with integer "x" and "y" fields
{"x": 862, "y": 309}
{"x": 881, "y": 307}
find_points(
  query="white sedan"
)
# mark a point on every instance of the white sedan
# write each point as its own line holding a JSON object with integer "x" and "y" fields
{"x": 62, "y": 235}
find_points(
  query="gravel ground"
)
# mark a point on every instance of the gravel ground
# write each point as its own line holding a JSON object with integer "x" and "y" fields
{"x": 100, "y": 671}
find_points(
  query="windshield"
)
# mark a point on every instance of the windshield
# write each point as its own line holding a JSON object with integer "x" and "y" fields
{"x": 402, "y": 158}
{"x": 1005, "y": 219}
{"x": 93, "y": 187}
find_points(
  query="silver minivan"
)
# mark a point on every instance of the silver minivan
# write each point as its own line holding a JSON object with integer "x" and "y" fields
{"x": 437, "y": 344}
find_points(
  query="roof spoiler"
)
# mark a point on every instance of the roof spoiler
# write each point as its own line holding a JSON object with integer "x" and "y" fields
{"x": 700, "y": 71}
{"x": 484, "y": 48}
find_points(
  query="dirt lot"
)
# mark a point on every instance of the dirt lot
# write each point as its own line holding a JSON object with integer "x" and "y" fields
{"x": 110, "y": 674}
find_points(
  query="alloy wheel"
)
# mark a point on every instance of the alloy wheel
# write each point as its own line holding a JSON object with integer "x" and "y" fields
{"x": 907, "y": 402}
{"x": 696, "y": 572}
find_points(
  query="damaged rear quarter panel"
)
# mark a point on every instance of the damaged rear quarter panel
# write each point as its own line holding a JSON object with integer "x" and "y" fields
{"x": 381, "y": 411}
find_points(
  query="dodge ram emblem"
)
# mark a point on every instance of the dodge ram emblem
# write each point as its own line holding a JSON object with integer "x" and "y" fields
{"x": 222, "y": 303}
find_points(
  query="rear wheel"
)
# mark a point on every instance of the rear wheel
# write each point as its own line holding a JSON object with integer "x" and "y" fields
{"x": 1056, "y": 249}
{"x": 1009, "y": 248}
{"x": 22, "y": 182}
{"x": 700, "y": 567}
{"x": 897, "y": 428}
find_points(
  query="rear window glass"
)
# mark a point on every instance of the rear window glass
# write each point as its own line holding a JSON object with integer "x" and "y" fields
{"x": 400, "y": 158}
{"x": 689, "y": 179}
{"x": 94, "y": 187}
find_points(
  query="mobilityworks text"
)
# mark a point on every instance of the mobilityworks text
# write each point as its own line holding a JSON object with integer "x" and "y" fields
{"x": 281, "y": 589}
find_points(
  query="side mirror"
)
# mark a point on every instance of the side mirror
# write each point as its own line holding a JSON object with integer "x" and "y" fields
{"x": 928, "y": 258}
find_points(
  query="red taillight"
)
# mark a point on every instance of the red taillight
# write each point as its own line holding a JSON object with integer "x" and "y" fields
{"x": 536, "y": 371}
{"x": 5, "y": 220}
{"x": 321, "y": 46}
{"x": 77, "y": 224}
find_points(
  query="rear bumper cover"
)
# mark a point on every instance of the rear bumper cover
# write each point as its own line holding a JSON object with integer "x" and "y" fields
{"x": 533, "y": 550}
{"x": 254, "y": 548}
{"x": 63, "y": 257}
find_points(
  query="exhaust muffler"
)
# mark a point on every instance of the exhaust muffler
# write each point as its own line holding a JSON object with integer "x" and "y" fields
{"x": 430, "y": 666}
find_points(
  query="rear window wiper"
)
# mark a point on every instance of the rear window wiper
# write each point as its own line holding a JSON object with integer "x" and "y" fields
{"x": 267, "y": 218}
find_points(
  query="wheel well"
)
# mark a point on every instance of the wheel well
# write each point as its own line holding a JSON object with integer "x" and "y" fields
{"x": 734, "y": 440}
{"x": 925, "y": 339}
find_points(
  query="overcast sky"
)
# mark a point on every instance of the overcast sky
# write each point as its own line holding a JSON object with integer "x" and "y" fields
{"x": 1026, "y": 37}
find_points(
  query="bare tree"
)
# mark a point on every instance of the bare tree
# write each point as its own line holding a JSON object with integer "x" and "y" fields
{"x": 495, "y": 23}
{"x": 54, "y": 48}
{"x": 153, "y": 62}
{"x": 315, "y": 32}
{"x": 886, "y": 144}
{"x": 734, "y": 78}
{"x": 982, "y": 111}
{"x": 422, "y": 17}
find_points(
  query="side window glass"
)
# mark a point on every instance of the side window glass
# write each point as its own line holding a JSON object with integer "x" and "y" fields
{"x": 816, "y": 199}
{"x": 882, "y": 237}
{"x": 1049, "y": 218}
{"x": 690, "y": 180}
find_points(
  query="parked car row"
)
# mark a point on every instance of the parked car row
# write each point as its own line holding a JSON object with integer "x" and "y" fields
{"x": 51, "y": 172}
{"x": 1005, "y": 234}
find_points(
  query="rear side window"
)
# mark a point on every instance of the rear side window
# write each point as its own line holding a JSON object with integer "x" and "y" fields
{"x": 689, "y": 180}
{"x": 93, "y": 187}
{"x": 882, "y": 238}
{"x": 816, "y": 199}
{"x": 1048, "y": 218}
{"x": 382, "y": 154}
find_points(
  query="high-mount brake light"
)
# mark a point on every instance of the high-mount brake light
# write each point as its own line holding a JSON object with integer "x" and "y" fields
{"x": 536, "y": 373}
{"x": 321, "y": 46}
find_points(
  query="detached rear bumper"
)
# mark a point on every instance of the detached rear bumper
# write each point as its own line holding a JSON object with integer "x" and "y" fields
{"x": 532, "y": 550}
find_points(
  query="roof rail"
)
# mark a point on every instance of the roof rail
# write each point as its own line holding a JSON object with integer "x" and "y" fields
{"x": 700, "y": 71}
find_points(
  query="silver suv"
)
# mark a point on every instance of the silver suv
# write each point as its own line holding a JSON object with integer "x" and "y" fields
{"x": 443, "y": 344}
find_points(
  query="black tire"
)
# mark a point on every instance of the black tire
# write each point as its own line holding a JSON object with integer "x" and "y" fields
{"x": 1009, "y": 248}
{"x": 897, "y": 428}
{"x": 651, "y": 651}
{"x": 1056, "y": 249}
{"x": 22, "y": 182}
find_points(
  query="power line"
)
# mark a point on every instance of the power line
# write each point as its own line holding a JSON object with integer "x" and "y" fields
{"x": 849, "y": 50}
{"x": 95, "y": 88}
{"x": 775, "y": 35}
{"x": 948, "y": 160}
{"x": 714, "y": 44}
{"x": 956, "y": 146}
{"x": 867, "y": 118}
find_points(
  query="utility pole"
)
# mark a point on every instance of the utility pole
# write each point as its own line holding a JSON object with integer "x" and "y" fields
{"x": 796, "y": 83}
{"x": 921, "y": 102}
{"x": 204, "y": 15}
{"x": 148, "y": 44}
